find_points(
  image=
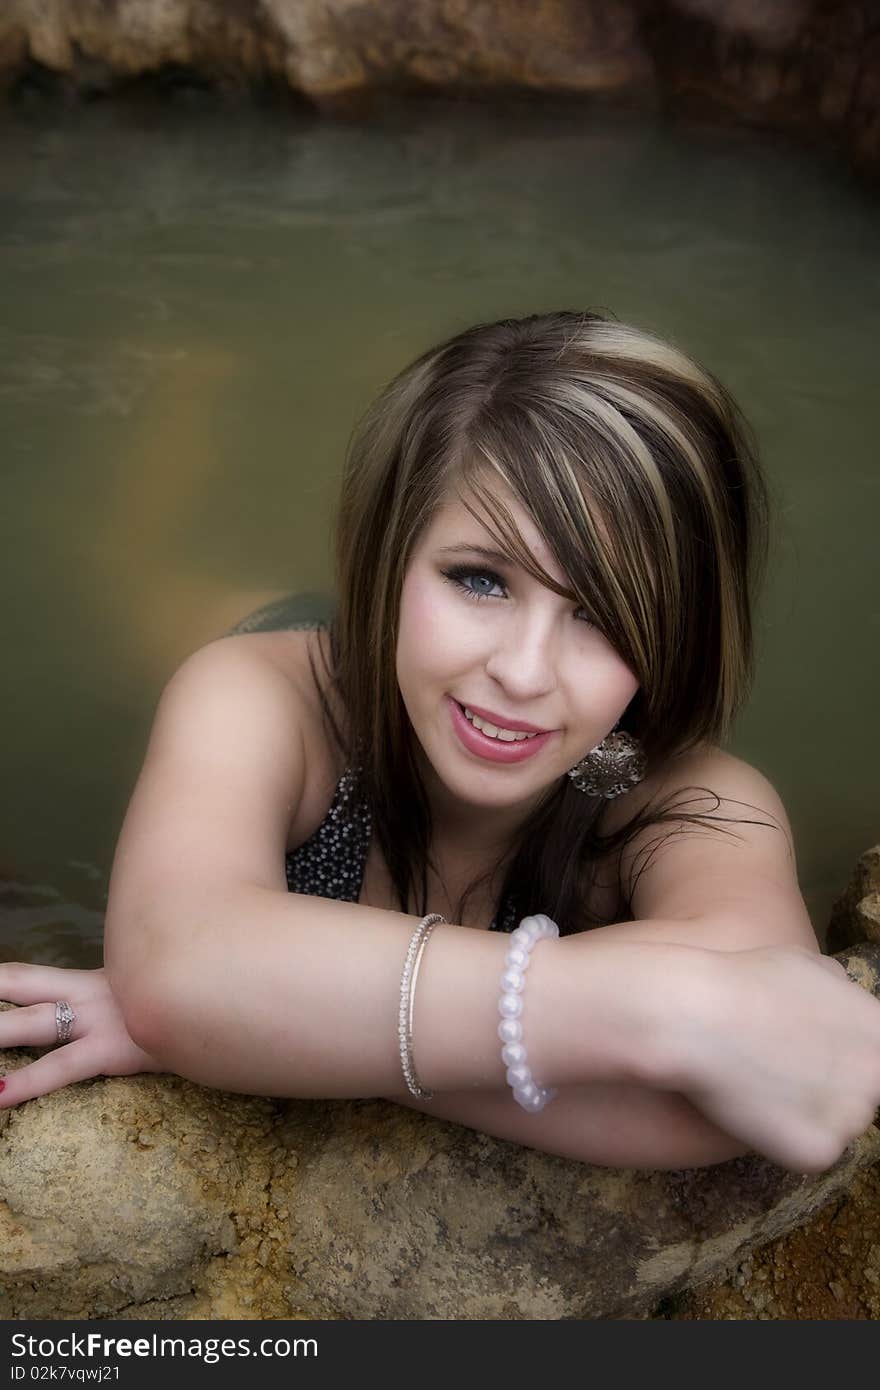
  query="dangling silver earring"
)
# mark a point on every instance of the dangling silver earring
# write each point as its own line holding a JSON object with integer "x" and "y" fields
{"x": 614, "y": 766}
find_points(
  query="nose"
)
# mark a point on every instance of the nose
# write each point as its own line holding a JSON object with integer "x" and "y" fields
{"x": 523, "y": 659}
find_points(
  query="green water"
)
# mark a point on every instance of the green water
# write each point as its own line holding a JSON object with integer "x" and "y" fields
{"x": 198, "y": 304}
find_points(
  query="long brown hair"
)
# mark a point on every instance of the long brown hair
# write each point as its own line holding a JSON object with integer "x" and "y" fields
{"x": 641, "y": 475}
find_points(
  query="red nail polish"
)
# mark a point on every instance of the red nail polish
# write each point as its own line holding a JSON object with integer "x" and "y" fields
{"x": 2, "y": 1085}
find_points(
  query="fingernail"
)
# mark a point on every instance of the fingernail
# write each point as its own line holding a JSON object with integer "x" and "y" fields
{"x": 2, "y": 1085}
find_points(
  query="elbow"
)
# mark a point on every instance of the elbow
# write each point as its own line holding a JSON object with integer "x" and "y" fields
{"x": 170, "y": 1029}
{"x": 145, "y": 1012}
{"x": 138, "y": 973}
{"x": 149, "y": 1025}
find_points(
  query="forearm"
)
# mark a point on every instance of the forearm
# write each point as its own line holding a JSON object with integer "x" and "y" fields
{"x": 614, "y": 1125}
{"x": 270, "y": 993}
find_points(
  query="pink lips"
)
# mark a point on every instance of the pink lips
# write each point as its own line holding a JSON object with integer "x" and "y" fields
{"x": 516, "y": 726}
{"x": 491, "y": 749}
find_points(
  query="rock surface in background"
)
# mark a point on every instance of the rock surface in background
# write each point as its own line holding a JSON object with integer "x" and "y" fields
{"x": 855, "y": 916}
{"x": 827, "y": 1270}
{"x": 811, "y": 66}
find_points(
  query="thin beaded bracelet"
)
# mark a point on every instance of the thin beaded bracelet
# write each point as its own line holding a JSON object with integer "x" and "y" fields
{"x": 526, "y": 1092}
{"x": 407, "y": 998}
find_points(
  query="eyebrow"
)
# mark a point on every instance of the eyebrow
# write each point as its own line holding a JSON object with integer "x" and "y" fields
{"x": 487, "y": 552}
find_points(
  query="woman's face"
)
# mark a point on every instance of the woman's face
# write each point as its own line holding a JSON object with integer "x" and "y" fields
{"x": 518, "y": 651}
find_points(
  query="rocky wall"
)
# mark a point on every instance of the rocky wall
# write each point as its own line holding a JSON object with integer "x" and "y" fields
{"x": 806, "y": 66}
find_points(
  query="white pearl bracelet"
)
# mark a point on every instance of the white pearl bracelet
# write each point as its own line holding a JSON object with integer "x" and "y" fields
{"x": 526, "y": 1091}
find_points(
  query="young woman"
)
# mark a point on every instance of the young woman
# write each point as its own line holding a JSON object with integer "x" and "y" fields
{"x": 548, "y": 541}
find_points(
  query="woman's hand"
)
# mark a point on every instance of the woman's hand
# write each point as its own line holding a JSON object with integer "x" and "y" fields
{"x": 99, "y": 1044}
{"x": 785, "y": 1055}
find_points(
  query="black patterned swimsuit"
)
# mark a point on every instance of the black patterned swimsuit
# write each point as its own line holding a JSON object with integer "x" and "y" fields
{"x": 331, "y": 862}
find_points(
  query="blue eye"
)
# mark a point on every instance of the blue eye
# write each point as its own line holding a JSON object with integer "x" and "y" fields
{"x": 458, "y": 574}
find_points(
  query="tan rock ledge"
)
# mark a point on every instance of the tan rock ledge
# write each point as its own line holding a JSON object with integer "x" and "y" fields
{"x": 149, "y": 1196}
{"x": 810, "y": 69}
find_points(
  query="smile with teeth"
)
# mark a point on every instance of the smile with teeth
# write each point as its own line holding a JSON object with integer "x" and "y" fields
{"x": 491, "y": 731}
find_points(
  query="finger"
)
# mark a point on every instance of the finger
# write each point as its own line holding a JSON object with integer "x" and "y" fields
{"x": 24, "y": 983}
{"x": 32, "y": 1025}
{"x": 72, "y": 1062}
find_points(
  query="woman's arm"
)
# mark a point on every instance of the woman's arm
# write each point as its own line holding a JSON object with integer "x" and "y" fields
{"x": 614, "y": 1125}
{"x": 273, "y": 993}
{"x": 313, "y": 1014}
{"x": 774, "y": 1046}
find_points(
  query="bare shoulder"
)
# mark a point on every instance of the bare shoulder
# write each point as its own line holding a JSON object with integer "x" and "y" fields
{"x": 234, "y": 766}
{"x": 712, "y": 775}
{"x": 302, "y": 656}
{"x": 230, "y": 732}
{"x": 230, "y": 680}
{"x": 738, "y": 857}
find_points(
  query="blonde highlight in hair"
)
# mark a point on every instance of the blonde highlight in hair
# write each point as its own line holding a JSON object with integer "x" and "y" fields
{"x": 641, "y": 475}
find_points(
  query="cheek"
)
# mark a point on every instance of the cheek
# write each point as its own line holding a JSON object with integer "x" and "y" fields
{"x": 627, "y": 683}
{"x": 415, "y": 607}
{"x": 427, "y": 636}
{"x": 615, "y": 684}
